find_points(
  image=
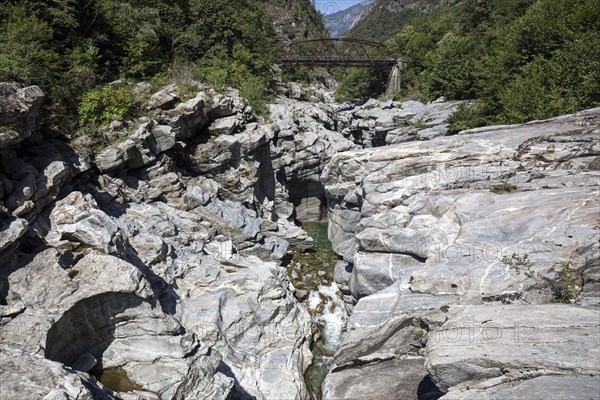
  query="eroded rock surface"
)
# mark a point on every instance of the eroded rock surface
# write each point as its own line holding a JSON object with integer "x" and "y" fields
{"x": 152, "y": 260}
{"x": 485, "y": 345}
{"x": 458, "y": 204}
{"x": 158, "y": 257}
{"x": 505, "y": 216}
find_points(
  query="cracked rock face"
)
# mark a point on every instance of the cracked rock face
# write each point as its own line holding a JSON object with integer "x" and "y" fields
{"x": 485, "y": 345}
{"x": 51, "y": 380}
{"x": 457, "y": 205}
{"x": 381, "y": 355}
{"x": 86, "y": 317}
{"x": 146, "y": 266}
{"x": 448, "y": 242}
{"x": 158, "y": 261}
{"x": 256, "y": 325}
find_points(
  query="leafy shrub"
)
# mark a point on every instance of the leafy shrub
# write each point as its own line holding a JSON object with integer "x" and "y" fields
{"x": 519, "y": 264}
{"x": 468, "y": 116}
{"x": 106, "y": 104}
{"x": 504, "y": 188}
{"x": 418, "y": 334}
{"x": 571, "y": 284}
{"x": 233, "y": 69}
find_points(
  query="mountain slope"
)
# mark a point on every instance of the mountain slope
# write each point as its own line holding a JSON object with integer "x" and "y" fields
{"x": 340, "y": 22}
{"x": 387, "y": 17}
{"x": 296, "y": 19}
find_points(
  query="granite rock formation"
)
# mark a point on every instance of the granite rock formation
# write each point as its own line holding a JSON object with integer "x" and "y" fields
{"x": 455, "y": 250}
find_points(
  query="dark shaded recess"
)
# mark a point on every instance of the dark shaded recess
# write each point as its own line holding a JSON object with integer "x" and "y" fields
{"x": 238, "y": 392}
{"x": 379, "y": 139}
{"x": 88, "y": 327}
{"x": 299, "y": 190}
{"x": 427, "y": 390}
{"x": 166, "y": 295}
{"x": 266, "y": 175}
{"x": 303, "y": 189}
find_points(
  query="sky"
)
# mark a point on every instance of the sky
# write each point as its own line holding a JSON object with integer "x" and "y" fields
{"x": 333, "y": 6}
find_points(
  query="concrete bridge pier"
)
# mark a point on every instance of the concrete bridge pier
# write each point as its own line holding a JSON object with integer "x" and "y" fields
{"x": 394, "y": 81}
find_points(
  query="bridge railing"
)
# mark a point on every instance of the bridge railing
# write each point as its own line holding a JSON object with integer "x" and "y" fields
{"x": 337, "y": 52}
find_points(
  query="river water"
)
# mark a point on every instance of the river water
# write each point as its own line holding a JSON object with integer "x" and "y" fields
{"x": 324, "y": 303}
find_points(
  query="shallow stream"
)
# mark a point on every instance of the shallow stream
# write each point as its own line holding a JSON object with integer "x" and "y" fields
{"x": 314, "y": 271}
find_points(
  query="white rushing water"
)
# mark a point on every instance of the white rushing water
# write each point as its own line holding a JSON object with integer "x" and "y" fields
{"x": 329, "y": 312}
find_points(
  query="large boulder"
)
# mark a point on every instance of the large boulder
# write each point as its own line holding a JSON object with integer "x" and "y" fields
{"x": 381, "y": 354}
{"x": 77, "y": 219}
{"x": 164, "y": 99}
{"x": 136, "y": 151}
{"x": 19, "y": 112}
{"x": 189, "y": 118}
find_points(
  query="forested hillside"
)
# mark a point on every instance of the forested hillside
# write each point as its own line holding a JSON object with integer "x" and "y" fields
{"x": 69, "y": 47}
{"x": 388, "y": 17}
{"x": 296, "y": 19}
{"x": 520, "y": 59}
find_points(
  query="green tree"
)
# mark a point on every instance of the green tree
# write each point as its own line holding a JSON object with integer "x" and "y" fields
{"x": 450, "y": 68}
{"x": 225, "y": 23}
{"x": 223, "y": 70}
{"x": 360, "y": 83}
{"x": 26, "y": 51}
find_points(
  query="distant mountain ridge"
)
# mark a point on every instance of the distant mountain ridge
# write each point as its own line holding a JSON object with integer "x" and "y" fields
{"x": 385, "y": 18}
{"x": 342, "y": 21}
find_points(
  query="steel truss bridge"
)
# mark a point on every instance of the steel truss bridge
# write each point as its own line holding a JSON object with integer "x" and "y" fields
{"x": 346, "y": 52}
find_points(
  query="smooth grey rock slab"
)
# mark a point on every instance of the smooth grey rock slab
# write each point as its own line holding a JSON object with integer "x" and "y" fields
{"x": 372, "y": 272}
{"x": 380, "y": 349}
{"x": 549, "y": 387}
{"x": 483, "y": 342}
{"x": 460, "y": 204}
{"x": 395, "y": 378}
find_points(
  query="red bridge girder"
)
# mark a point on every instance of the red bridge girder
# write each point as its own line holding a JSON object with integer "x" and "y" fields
{"x": 340, "y": 51}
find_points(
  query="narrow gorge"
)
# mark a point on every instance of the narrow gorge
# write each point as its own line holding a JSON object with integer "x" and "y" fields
{"x": 175, "y": 263}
